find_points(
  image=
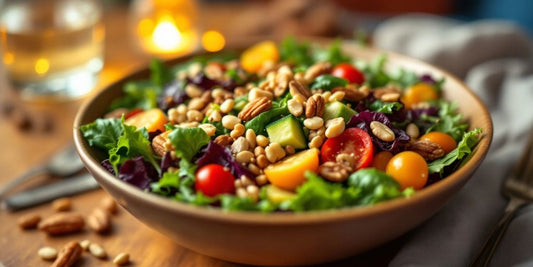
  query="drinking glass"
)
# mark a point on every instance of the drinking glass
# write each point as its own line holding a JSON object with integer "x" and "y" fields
{"x": 52, "y": 48}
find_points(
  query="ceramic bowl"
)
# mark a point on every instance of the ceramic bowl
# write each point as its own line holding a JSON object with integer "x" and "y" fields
{"x": 289, "y": 238}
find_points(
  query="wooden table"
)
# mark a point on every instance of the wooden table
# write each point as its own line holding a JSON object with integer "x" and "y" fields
{"x": 20, "y": 150}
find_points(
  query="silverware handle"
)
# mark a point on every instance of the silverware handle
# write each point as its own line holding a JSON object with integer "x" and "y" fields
{"x": 484, "y": 256}
{"x": 21, "y": 179}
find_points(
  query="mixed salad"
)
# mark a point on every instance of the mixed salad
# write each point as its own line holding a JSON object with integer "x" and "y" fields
{"x": 288, "y": 127}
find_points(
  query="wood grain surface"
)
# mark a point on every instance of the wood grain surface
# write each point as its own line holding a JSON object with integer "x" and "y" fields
{"x": 21, "y": 150}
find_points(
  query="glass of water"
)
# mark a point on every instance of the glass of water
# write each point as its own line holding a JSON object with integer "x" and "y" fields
{"x": 52, "y": 48}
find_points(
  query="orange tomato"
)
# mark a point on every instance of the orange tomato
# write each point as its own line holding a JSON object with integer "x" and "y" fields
{"x": 153, "y": 119}
{"x": 289, "y": 173}
{"x": 381, "y": 159}
{"x": 443, "y": 139}
{"x": 409, "y": 169}
{"x": 253, "y": 58}
{"x": 417, "y": 93}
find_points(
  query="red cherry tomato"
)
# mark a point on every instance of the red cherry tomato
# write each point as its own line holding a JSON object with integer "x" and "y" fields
{"x": 348, "y": 72}
{"x": 214, "y": 179}
{"x": 352, "y": 141}
{"x": 132, "y": 113}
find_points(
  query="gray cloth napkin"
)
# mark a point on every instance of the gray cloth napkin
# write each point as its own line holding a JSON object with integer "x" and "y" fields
{"x": 494, "y": 58}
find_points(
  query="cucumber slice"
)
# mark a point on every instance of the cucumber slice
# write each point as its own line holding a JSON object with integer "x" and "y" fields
{"x": 287, "y": 131}
{"x": 337, "y": 109}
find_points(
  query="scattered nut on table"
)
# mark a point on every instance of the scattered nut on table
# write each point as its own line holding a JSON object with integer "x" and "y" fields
{"x": 97, "y": 251}
{"x": 62, "y": 223}
{"x": 99, "y": 221}
{"x": 109, "y": 205}
{"x": 85, "y": 244}
{"x": 70, "y": 253}
{"x": 47, "y": 253}
{"x": 29, "y": 221}
{"x": 121, "y": 259}
{"x": 62, "y": 204}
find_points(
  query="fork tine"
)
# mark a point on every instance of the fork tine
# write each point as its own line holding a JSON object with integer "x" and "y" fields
{"x": 526, "y": 161}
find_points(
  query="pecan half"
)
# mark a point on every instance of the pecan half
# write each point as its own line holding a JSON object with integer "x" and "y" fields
{"x": 223, "y": 140}
{"x": 298, "y": 88}
{"x": 62, "y": 223}
{"x": 316, "y": 70}
{"x": 335, "y": 171}
{"x": 68, "y": 255}
{"x": 427, "y": 149}
{"x": 315, "y": 106}
{"x": 254, "y": 108}
{"x": 29, "y": 221}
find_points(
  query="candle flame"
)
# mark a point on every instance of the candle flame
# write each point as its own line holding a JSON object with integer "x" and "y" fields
{"x": 166, "y": 36}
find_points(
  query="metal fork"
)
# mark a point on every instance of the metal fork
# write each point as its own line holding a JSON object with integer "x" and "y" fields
{"x": 518, "y": 188}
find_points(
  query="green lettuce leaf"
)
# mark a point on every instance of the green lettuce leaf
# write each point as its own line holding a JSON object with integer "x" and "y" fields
{"x": 332, "y": 54}
{"x": 160, "y": 74}
{"x": 188, "y": 141}
{"x": 385, "y": 107}
{"x": 102, "y": 133}
{"x": 463, "y": 149}
{"x": 376, "y": 186}
{"x": 328, "y": 82}
{"x": 130, "y": 144}
{"x": 449, "y": 120}
{"x": 297, "y": 53}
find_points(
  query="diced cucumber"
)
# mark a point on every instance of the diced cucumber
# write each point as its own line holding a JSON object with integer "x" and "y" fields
{"x": 277, "y": 195}
{"x": 287, "y": 131}
{"x": 337, "y": 109}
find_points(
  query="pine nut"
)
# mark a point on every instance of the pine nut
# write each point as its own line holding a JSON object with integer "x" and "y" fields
{"x": 237, "y": 131}
{"x": 270, "y": 154}
{"x": 85, "y": 244}
{"x": 196, "y": 104}
{"x": 244, "y": 156}
{"x": 334, "y": 127}
{"x": 218, "y": 93}
{"x": 326, "y": 95}
{"x": 316, "y": 142}
{"x": 227, "y": 105}
{"x": 251, "y": 138}
{"x": 215, "y": 116}
{"x": 254, "y": 169}
{"x": 295, "y": 107}
{"x": 290, "y": 150}
{"x": 209, "y": 129}
{"x": 194, "y": 115}
{"x": 241, "y": 192}
{"x": 121, "y": 259}
{"x": 237, "y": 183}
{"x": 300, "y": 98}
{"x": 240, "y": 144}
{"x": 97, "y": 251}
{"x": 412, "y": 130}
{"x": 262, "y": 140}
{"x": 258, "y": 150}
{"x": 258, "y": 93}
{"x": 246, "y": 181}
{"x": 390, "y": 97}
{"x": 262, "y": 161}
{"x": 261, "y": 179}
{"x": 382, "y": 131}
{"x": 182, "y": 109}
{"x": 314, "y": 123}
{"x": 193, "y": 91}
{"x": 337, "y": 96}
{"x": 47, "y": 253}
{"x": 229, "y": 121}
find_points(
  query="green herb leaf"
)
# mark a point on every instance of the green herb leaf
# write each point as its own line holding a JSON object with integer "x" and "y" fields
{"x": 138, "y": 94}
{"x": 385, "y": 107}
{"x": 449, "y": 120}
{"x": 376, "y": 186}
{"x": 260, "y": 121}
{"x": 296, "y": 53}
{"x": 328, "y": 82}
{"x": 160, "y": 74}
{"x": 165, "y": 185}
{"x": 463, "y": 149}
{"x": 332, "y": 54}
{"x": 102, "y": 133}
{"x": 188, "y": 141}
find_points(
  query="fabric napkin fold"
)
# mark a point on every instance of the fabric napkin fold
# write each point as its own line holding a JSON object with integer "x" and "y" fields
{"x": 494, "y": 58}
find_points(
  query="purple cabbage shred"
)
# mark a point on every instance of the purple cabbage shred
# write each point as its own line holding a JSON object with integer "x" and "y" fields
{"x": 107, "y": 166}
{"x": 427, "y": 79}
{"x": 167, "y": 162}
{"x": 217, "y": 154}
{"x": 363, "y": 120}
{"x": 138, "y": 172}
{"x": 173, "y": 95}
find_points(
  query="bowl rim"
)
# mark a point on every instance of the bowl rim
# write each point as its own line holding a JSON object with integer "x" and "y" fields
{"x": 289, "y": 218}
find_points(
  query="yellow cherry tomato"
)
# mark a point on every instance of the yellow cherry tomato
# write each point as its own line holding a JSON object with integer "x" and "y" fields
{"x": 443, "y": 139}
{"x": 152, "y": 119}
{"x": 417, "y": 93}
{"x": 253, "y": 58}
{"x": 381, "y": 159}
{"x": 289, "y": 173}
{"x": 409, "y": 169}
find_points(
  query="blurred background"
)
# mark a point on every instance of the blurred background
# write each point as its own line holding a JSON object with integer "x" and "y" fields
{"x": 116, "y": 37}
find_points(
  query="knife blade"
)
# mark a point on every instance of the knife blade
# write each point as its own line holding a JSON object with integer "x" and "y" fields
{"x": 64, "y": 188}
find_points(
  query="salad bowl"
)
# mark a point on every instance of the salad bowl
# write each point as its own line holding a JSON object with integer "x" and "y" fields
{"x": 289, "y": 238}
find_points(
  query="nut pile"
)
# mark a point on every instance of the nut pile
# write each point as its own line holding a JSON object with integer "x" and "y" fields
{"x": 65, "y": 222}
